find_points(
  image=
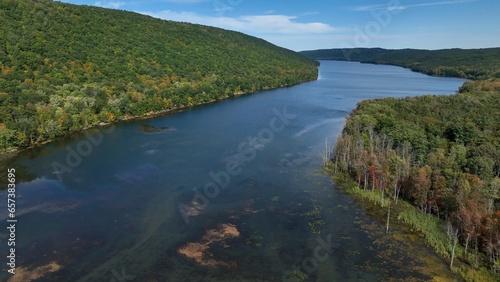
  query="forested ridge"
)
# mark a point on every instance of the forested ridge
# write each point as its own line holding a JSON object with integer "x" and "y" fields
{"x": 65, "y": 67}
{"x": 440, "y": 153}
{"x": 465, "y": 63}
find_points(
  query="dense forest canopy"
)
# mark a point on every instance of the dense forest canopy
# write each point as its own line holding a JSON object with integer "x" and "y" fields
{"x": 65, "y": 67}
{"x": 466, "y": 63}
{"x": 441, "y": 153}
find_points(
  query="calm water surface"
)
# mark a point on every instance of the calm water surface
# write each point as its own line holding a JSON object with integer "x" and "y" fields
{"x": 231, "y": 191}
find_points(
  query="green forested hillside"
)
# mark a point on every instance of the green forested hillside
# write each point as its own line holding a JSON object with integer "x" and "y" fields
{"x": 466, "y": 63}
{"x": 440, "y": 153}
{"x": 65, "y": 67}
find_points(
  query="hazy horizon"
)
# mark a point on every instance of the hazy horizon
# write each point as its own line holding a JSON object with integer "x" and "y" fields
{"x": 315, "y": 24}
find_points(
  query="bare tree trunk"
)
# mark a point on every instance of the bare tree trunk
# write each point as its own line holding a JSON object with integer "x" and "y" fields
{"x": 452, "y": 233}
{"x": 382, "y": 191}
{"x": 455, "y": 240}
{"x": 490, "y": 205}
{"x": 373, "y": 182}
{"x": 388, "y": 217}
{"x": 396, "y": 189}
{"x": 467, "y": 244}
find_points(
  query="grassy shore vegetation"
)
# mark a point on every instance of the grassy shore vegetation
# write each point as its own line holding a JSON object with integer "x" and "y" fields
{"x": 466, "y": 63}
{"x": 65, "y": 67}
{"x": 441, "y": 155}
{"x": 435, "y": 231}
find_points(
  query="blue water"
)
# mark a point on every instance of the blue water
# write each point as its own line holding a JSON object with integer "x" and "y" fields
{"x": 119, "y": 204}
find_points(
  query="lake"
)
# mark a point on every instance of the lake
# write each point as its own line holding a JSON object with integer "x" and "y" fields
{"x": 230, "y": 191}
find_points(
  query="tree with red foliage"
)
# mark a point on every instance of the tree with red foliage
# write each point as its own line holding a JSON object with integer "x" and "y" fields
{"x": 422, "y": 184}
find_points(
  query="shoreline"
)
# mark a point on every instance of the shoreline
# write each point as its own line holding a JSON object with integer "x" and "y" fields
{"x": 149, "y": 115}
{"x": 404, "y": 214}
{"x": 401, "y": 66}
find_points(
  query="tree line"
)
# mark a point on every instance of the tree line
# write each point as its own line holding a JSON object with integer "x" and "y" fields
{"x": 465, "y": 63}
{"x": 440, "y": 153}
{"x": 65, "y": 67}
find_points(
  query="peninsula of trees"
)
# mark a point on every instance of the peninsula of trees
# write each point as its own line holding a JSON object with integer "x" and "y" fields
{"x": 465, "y": 63}
{"x": 439, "y": 153}
{"x": 65, "y": 67}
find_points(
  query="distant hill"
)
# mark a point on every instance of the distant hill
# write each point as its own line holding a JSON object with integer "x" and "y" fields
{"x": 466, "y": 63}
{"x": 65, "y": 67}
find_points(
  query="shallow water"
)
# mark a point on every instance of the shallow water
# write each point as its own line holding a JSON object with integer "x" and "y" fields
{"x": 233, "y": 191}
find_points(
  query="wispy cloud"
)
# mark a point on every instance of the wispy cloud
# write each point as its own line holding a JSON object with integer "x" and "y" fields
{"x": 186, "y": 1}
{"x": 110, "y": 4}
{"x": 118, "y": 4}
{"x": 264, "y": 24}
{"x": 399, "y": 6}
{"x": 309, "y": 13}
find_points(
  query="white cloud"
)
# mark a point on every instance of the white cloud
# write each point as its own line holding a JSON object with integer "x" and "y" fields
{"x": 186, "y": 1}
{"x": 396, "y": 5}
{"x": 110, "y": 4}
{"x": 118, "y": 4}
{"x": 263, "y": 24}
{"x": 309, "y": 14}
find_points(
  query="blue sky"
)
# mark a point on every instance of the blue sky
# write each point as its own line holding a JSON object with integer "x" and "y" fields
{"x": 316, "y": 24}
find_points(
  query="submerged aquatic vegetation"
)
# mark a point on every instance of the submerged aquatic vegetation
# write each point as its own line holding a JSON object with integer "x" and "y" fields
{"x": 314, "y": 220}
